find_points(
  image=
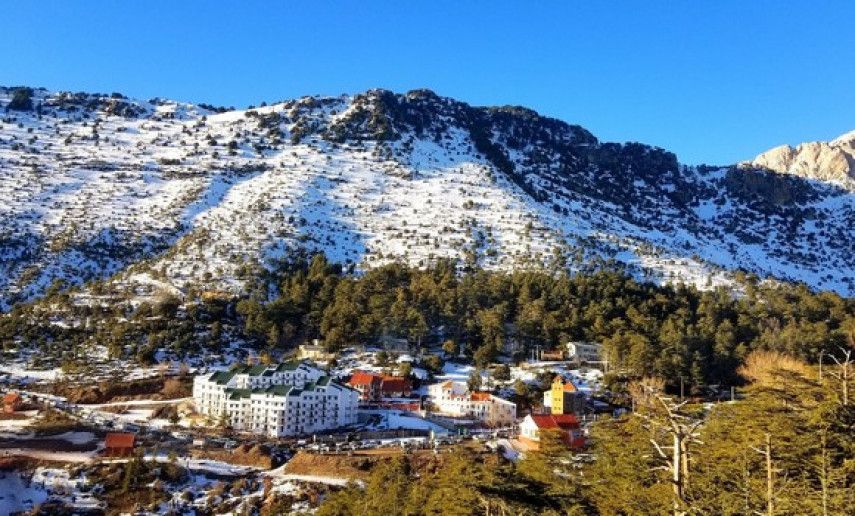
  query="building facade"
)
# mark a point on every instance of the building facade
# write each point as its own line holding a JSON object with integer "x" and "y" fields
{"x": 566, "y": 425}
{"x": 454, "y": 399}
{"x": 584, "y": 352}
{"x": 563, "y": 398}
{"x": 279, "y": 400}
{"x": 374, "y": 387}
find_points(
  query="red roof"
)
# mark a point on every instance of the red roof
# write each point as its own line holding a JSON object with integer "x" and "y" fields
{"x": 11, "y": 397}
{"x": 363, "y": 378}
{"x": 562, "y": 421}
{"x": 480, "y": 396}
{"x": 119, "y": 440}
{"x": 395, "y": 384}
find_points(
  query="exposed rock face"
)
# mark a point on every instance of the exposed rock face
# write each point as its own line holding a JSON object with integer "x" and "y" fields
{"x": 824, "y": 161}
{"x": 165, "y": 196}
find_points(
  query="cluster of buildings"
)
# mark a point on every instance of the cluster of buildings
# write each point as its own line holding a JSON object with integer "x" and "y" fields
{"x": 287, "y": 399}
{"x": 297, "y": 398}
{"x": 375, "y": 387}
{"x": 454, "y": 399}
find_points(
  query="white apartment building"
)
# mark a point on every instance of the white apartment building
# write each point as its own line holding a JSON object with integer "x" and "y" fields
{"x": 454, "y": 399}
{"x": 279, "y": 400}
{"x": 583, "y": 352}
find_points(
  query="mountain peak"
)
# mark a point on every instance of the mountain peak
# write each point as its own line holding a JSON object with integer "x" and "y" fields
{"x": 192, "y": 196}
{"x": 824, "y": 161}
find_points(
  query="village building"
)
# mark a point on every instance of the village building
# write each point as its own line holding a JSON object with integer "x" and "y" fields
{"x": 119, "y": 444}
{"x": 314, "y": 351}
{"x": 454, "y": 399}
{"x": 533, "y": 425}
{"x": 584, "y": 352}
{"x": 563, "y": 398}
{"x": 278, "y": 400}
{"x": 12, "y": 401}
{"x": 373, "y": 387}
{"x": 553, "y": 355}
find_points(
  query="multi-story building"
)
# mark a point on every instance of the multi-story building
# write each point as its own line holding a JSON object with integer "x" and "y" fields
{"x": 584, "y": 352}
{"x": 454, "y": 399}
{"x": 279, "y": 400}
{"x": 372, "y": 386}
{"x": 563, "y": 398}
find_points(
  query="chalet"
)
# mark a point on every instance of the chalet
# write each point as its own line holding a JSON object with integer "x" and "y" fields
{"x": 372, "y": 386}
{"x": 11, "y": 402}
{"x": 567, "y": 424}
{"x": 119, "y": 444}
{"x": 563, "y": 398}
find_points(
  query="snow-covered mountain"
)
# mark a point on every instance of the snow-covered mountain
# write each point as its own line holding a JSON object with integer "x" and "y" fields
{"x": 825, "y": 161}
{"x": 168, "y": 195}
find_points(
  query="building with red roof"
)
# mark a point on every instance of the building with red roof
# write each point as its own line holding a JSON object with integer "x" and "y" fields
{"x": 373, "y": 386}
{"x": 454, "y": 399}
{"x": 119, "y": 444}
{"x": 11, "y": 402}
{"x": 567, "y": 424}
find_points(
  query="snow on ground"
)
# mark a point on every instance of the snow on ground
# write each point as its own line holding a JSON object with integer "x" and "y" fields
{"x": 177, "y": 192}
{"x": 394, "y": 420}
{"x": 455, "y": 371}
{"x": 133, "y": 403}
{"x": 76, "y": 437}
{"x": 17, "y": 494}
{"x": 50, "y": 455}
{"x": 20, "y": 373}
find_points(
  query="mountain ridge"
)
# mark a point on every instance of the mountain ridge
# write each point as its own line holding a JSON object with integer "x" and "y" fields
{"x": 173, "y": 194}
{"x": 832, "y": 160}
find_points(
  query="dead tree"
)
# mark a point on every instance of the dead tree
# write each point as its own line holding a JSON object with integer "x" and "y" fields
{"x": 766, "y": 451}
{"x": 842, "y": 373}
{"x": 681, "y": 427}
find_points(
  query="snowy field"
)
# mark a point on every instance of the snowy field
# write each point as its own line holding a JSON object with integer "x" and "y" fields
{"x": 201, "y": 195}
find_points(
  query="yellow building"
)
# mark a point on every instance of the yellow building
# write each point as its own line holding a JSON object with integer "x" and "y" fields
{"x": 564, "y": 398}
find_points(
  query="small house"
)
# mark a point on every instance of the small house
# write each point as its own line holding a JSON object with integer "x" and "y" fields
{"x": 119, "y": 444}
{"x": 567, "y": 424}
{"x": 12, "y": 401}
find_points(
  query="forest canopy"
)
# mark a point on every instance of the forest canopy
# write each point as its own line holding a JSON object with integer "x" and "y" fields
{"x": 646, "y": 329}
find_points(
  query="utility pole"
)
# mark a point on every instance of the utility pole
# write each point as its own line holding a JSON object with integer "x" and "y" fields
{"x": 681, "y": 388}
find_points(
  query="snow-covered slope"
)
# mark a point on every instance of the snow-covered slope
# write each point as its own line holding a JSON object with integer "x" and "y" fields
{"x": 825, "y": 161}
{"x": 169, "y": 195}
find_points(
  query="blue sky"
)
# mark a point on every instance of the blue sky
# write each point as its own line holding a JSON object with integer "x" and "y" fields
{"x": 714, "y": 81}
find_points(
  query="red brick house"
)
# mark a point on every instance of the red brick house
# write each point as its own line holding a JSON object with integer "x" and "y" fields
{"x": 12, "y": 402}
{"x": 119, "y": 444}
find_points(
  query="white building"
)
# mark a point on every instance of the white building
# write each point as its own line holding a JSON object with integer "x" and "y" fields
{"x": 278, "y": 400}
{"x": 580, "y": 352}
{"x": 454, "y": 399}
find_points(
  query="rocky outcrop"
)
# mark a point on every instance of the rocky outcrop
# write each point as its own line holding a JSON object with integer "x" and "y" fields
{"x": 824, "y": 161}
